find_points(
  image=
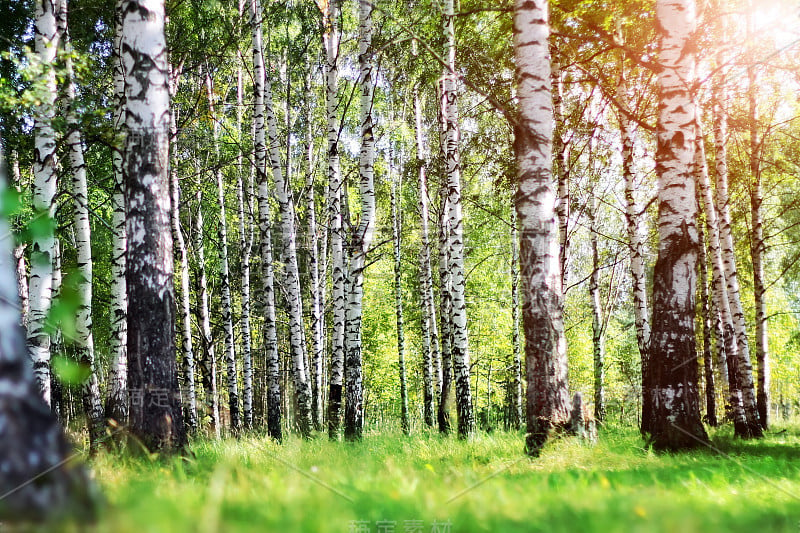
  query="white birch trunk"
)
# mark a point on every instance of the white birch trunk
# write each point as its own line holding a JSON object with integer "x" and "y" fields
{"x": 758, "y": 251}
{"x": 45, "y": 180}
{"x": 363, "y": 233}
{"x": 397, "y": 224}
{"x": 316, "y": 288}
{"x": 548, "y": 404}
{"x": 244, "y": 197}
{"x": 117, "y": 403}
{"x": 460, "y": 346}
{"x": 673, "y": 353}
{"x": 291, "y": 271}
{"x": 157, "y": 420}
{"x": 83, "y": 339}
{"x": 270, "y": 335}
{"x": 330, "y": 40}
{"x": 225, "y": 283}
{"x": 430, "y": 352}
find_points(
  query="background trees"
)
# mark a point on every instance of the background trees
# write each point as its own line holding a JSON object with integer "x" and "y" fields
{"x": 328, "y": 260}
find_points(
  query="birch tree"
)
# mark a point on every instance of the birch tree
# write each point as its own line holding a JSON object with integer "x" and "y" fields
{"x": 430, "y": 358}
{"x": 157, "y": 421}
{"x": 330, "y": 41}
{"x": 362, "y": 234}
{"x": 225, "y": 282}
{"x": 548, "y": 404}
{"x": 676, "y": 415}
{"x": 117, "y": 402}
{"x": 269, "y": 334}
{"x": 44, "y": 185}
{"x": 455, "y": 237}
{"x": 737, "y": 404}
{"x": 397, "y": 226}
{"x": 83, "y": 339}
{"x": 244, "y": 197}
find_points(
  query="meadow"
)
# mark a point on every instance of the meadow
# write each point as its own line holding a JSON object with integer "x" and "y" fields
{"x": 424, "y": 482}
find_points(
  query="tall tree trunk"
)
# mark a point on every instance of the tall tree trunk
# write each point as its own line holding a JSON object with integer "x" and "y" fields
{"x": 705, "y": 310}
{"x": 209, "y": 359}
{"x": 397, "y": 224}
{"x": 330, "y": 39}
{"x": 431, "y": 375}
{"x": 548, "y": 404}
{"x": 598, "y": 336}
{"x": 515, "y": 420}
{"x": 445, "y": 316}
{"x": 244, "y": 197}
{"x": 291, "y": 271}
{"x": 721, "y": 297}
{"x": 455, "y": 239}
{"x": 633, "y": 216}
{"x": 83, "y": 339}
{"x": 270, "y": 334}
{"x": 361, "y": 238}
{"x": 157, "y": 421}
{"x": 561, "y": 164}
{"x": 316, "y": 288}
{"x": 225, "y": 283}
{"x": 673, "y": 365}
{"x": 117, "y": 402}
{"x": 758, "y": 248}
{"x": 45, "y": 180}
{"x": 185, "y": 311}
{"x": 32, "y": 444}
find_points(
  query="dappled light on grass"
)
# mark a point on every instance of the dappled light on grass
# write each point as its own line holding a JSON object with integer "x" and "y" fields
{"x": 256, "y": 485}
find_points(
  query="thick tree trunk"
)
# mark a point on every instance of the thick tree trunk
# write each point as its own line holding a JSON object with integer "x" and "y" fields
{"x": 83, "y": 338}
{"x": 361, "y": 238}
{"x": 45, "y": 180}
{"x": 270, "y": 335}
{"x": 397, "y": 225}
{"x": 32, "y": 444}
{"x": 548, "y": 404}
{"x": 330, "y": 39}
{"x": 157, "y": 421}
{"x": 455, "y": 239}
{"x": 673, "y": 355}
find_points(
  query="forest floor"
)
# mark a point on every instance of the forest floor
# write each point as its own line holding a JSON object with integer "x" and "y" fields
{"x": 390, "y": 483}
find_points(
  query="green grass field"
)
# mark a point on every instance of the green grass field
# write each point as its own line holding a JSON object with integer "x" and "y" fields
{"x": 423, "y": 483}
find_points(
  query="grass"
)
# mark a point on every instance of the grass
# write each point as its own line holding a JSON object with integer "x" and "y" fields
{"x": 485, "y": 484}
